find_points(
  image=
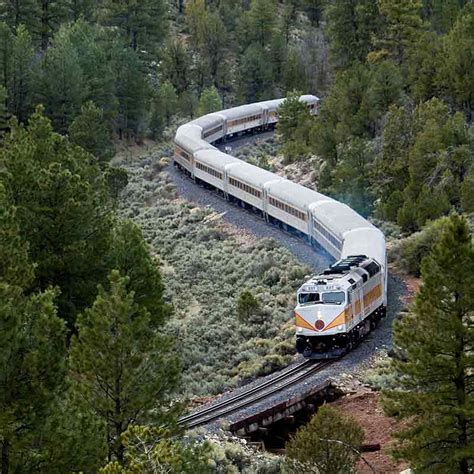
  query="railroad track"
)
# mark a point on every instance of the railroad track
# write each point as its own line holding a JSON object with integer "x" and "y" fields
{"x": 283, "y": 380}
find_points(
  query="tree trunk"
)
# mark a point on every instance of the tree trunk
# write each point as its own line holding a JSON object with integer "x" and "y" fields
{"x": 5, "y": 456}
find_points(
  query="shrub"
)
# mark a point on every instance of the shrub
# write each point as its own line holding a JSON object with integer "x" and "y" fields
{"x": 327, "y": 443}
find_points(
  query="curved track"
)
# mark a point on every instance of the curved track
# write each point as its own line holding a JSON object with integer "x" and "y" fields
{"x": 284, "y": 379}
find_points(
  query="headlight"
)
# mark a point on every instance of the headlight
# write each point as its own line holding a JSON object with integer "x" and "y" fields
{"x": 340, "y": 327}
{"x": 300, "y": 330}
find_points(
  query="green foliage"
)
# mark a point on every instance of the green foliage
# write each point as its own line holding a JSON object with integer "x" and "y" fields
{"x": 409, "y": 252}
{"x": 435, "y": 342}
{"x": 248, "y": 306}
{"x": 255, "y": 74}
{"x": 132, "y": 93}
{"x": 142, "y": 26}
{"x": 89, "y": 131}
{"x": 351, "y": 26}
{"x": 401, "y": 28}
{"x": 455, "y": 64}
{"x": 121, "y": 367}
{"x": 63, "y": 210}
{"x": 152, "y": 449}
{"x": 61, "y": 81}
{"x": 351, "y": 176}
{"x": 326, "y": 443}
{"x": 294, "y": 124}
{"x": 32, "y": 338}
{"x": 209, "y": 101}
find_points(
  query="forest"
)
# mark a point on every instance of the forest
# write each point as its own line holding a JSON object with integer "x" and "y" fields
{"x": 91, "y": 377}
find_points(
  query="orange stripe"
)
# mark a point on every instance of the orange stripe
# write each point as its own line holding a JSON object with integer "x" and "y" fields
{"x": 302, "y": 323}
{"x": 339, "y": 319}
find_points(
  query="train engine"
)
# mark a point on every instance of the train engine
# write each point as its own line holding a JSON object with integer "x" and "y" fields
{"x": 338, "y": 307}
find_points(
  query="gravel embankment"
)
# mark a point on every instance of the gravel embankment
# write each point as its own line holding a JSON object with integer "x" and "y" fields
{"x": 354, "y": 362}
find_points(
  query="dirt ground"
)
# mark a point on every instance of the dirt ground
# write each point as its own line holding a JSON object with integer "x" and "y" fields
{"x": 378, "y": 428}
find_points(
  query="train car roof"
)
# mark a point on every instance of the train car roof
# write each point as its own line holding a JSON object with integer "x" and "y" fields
{"x": 215, "y": 158}
{"x": 208, "y": 121}
{"x": 241, "y": 111}
{"x": 295, "y": 194}
{"x": 308, "y": 98}
{"x": 339, "y": 218}
{"x": 189, "y": 138}
{"x": 272, "y": 104}
{"x": 251, "y": 174}
{"x": 370, "y": 242}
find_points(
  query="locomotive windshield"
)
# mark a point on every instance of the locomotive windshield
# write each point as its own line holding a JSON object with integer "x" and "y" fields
{"x": 334, "y": 297}
{"x": 305, "y": 298}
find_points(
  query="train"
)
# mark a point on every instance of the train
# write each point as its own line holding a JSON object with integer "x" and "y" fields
{"x": 336, "y": 308}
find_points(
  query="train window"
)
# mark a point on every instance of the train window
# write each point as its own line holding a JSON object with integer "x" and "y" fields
{"x": 333, "y": 297}
{"x": 305, "y": 298}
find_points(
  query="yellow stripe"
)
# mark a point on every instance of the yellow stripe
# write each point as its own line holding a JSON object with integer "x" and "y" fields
{"x": 302, "y": 323}
{"x": 339, "y": 319}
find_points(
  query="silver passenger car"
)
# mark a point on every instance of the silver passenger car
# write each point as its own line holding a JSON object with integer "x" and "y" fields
{"x": 210, "y": 167}
{"x": 247, "y": 183}
{"x": 290, "y": 203}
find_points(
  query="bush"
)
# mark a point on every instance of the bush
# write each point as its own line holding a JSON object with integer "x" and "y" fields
{"x": 326, "y": 443}
{"x": 408, "y": 253}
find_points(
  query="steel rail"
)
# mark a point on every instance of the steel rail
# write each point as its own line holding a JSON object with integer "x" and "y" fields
{"x": 248, "y": 397}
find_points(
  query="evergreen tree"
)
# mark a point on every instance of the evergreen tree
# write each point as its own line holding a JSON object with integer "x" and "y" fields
{"x": 52, "y": 14}
{"x": 142, "y": 25}
{"x": 21, "y": 12}
{"x": 130, "y": 255}
{"x": 434, "y": 371}
{"x": 63, "y": 210}
{"x": 209, "y": 101}
{"x": 176, "y": 61}
{"x": 329, "y": 443}
{"x": 350, "y": 27}
{"x": 3, "y": 111}
{"x": 124, "y": 372}
{"x": 33, "y": 347}
{"x": 96, "y": 68}
{"x": 262, "y": 22}
{"x": 351, "y": 176}
{"x": 456, "y": 74}
{"x": 132, "y": 93}
{"x": 247, "y": 306}
{"x": 20, "y": 83}
{"x": 89, "y": 131}
{"x": 403, "y": 26}
{"x": 256, "y": 77}
{"x": 61, "y": 86}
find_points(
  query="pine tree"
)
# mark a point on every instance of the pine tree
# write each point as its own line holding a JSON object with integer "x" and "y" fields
{"x": 329, "y": 443}
{"x": 247, "y": 306}
{"x": 20, "y": 85}
{"x": 132, "y": 93}
{"x": 21, "y": 12}
{"x": 124, "y": 371}
{"x": 89, "y": 131}
{"x": 142, "y": 25}
{"x": 455, "y": 72}
{"x": 130, "y": 255}
{"x": 351, "y": 25}
{"x": 32, "y": 359}
{"x": 434, "y": 371}
{"x": 209, "y": 101}
{"x": 61, "y": 85}
{"x": 403, "y": 26}
{"x": 63, "y": 209}
{"x": 262, "y": 20}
